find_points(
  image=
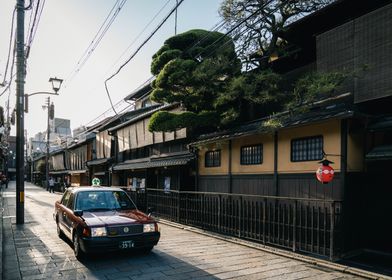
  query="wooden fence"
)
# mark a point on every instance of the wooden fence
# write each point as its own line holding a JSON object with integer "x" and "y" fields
{"x": 301, "y": 225}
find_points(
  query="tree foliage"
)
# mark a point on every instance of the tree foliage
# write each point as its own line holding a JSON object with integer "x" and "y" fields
{"x": 261, "y": 21}
{"x": 317, "y": 85}
{"x": 194, "y": 69}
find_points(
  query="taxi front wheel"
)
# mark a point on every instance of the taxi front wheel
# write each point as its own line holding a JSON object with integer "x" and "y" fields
{"x": 79, "y": 254}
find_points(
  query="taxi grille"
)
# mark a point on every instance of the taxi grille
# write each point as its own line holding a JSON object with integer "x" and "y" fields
{"x": 125, "y": 230}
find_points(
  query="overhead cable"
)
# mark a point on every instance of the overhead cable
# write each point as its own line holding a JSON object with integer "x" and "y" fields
{"x": 97, "y": 38}
{"x": 137, "y": 50}
{"x": 140, "y": 33}
{"x": 4, "y": 83}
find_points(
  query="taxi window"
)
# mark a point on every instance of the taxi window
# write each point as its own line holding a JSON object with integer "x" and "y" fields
{"x": 71, "y": 200}
{"x": 64, "y": 200}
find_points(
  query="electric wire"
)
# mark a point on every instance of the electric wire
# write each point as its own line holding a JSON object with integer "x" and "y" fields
{"x": 137, "y": 50}
{"x": 129, "y": 46}
{"x": 140, "y": 33}
{"x": 112, "y": 15}
{"x": 12, "y": 75}
{"x": 30, "y": 21}
{"x": 100, "y": 37}
{"x": 33, "y": 26}
{"x": 9, "y": 49}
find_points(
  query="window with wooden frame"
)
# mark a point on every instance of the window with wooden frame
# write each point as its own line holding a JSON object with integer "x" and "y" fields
{"x": 213, "y": 158}
{"x": 307, "y": 149}
{"x": 252, "y": 154}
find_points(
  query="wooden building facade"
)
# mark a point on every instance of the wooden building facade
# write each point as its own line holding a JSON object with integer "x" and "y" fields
{"x": 147, "y": 159}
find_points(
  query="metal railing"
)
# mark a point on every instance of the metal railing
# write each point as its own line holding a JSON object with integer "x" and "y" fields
{"x": 302, "y": 225}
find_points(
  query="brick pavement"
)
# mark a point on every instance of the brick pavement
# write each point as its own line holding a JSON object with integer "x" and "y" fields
{"x": 33, "y": 251}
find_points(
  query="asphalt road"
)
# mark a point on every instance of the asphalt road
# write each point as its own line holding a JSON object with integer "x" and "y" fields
{"x": 33, "y": 251}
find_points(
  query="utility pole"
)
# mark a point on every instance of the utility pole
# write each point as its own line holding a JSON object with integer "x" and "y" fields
{"x": 20, "y": 81}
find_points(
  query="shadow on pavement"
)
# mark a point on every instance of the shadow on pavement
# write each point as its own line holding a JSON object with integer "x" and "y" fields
{"x": 34, "y": 251}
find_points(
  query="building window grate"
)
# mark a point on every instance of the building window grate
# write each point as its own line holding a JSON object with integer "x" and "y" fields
{"x": 252, "y": 154}
{"x": 307, "y": 149}
{"x": 213, "y": 158}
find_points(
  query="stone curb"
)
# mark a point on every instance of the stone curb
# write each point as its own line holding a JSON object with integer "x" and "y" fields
{"x": 314, "y": 261}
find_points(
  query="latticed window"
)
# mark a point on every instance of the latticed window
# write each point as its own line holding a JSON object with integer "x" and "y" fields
{"x": 307, "y": 149}
{"x": 252, "y": 154}
{"x": 213, "y": 158}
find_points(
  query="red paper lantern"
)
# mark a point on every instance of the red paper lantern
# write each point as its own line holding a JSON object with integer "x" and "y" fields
{"x": 325, "y": 172}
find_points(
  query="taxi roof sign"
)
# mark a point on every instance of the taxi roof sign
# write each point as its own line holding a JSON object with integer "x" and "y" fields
{"x": 96, "y": 182}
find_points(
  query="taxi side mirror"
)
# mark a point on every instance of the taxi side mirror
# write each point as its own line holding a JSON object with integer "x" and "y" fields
{"x": 78, "y": 213}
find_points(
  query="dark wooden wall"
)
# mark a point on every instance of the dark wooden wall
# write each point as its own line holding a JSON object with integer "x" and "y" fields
{"x": 289, "y": 185}
{"x": 213, "y": 184}
{"x": 363, "y": 45}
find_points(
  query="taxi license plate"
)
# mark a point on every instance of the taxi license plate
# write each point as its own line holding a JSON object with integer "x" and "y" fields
{"x": 127, "y": 244}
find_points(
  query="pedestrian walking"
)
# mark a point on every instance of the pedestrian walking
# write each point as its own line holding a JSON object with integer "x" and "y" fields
{"x": 51, "y": 185}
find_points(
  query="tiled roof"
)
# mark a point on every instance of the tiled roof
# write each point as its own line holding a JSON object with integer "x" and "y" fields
{"x": 287, "y": 120}
{"x": 97, "y": 161}
{"x": 155, "y": 162}
{"x": 149, "y": 112}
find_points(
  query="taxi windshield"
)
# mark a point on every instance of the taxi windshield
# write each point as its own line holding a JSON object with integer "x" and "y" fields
{"x": 103, "y": 201}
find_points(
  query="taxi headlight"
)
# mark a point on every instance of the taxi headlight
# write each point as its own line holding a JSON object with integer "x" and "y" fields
{"x": 148, "y": 227}
{"x": 98, "y": 231}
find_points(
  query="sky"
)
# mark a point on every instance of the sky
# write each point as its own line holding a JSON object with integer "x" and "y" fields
{"x": 66, "y": 29}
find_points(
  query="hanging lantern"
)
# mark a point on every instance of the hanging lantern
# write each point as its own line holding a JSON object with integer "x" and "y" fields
{"x": 325, "y": 172}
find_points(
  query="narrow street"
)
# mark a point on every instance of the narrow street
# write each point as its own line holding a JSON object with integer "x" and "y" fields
{"x": 33, "y": 251}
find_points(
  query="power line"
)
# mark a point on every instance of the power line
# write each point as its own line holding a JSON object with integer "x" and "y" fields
{"x": 9, "y": 49}
{"x": 141, "y": 32}
{"x": 138, "y": 49}
{"x": 34, "y": 27}
{"x": 30, "y": 19}
{"x": 97, "y": 38}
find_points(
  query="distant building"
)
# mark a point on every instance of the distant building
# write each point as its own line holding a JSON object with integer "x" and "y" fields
{"x": 60, "y": 131}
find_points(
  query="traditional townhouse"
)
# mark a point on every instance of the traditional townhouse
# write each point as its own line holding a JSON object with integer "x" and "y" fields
{"x": 104, "y": 144}
{"x": 38, "y": 169}
{"x": 76, "y": 157}
{"x": 352, "y": 130}
{"x": 58, "y": 170}
{"x": 158, "y": 160}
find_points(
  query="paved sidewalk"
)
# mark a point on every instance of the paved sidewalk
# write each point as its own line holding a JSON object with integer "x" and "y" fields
{"x": 33, "y": 251}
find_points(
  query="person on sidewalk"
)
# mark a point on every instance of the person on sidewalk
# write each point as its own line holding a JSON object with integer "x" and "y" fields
{"x": 51, "y": 185}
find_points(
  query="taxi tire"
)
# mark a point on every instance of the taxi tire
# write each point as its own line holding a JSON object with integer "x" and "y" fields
{"x": 60, "y": 233}
{"x": 79, "y": 254}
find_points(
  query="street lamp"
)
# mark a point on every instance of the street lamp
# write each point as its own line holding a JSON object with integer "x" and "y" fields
{"x": 56, "y": 84}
